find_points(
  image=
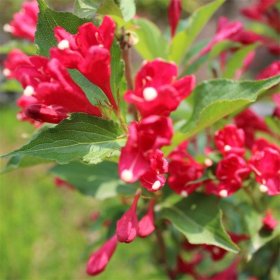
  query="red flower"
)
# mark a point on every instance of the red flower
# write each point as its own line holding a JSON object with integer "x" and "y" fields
{"x": 183, "y": 170}
{"x": 99, "y": 259}
{"x": 229, "y": 273}
{"x": 265, "y": 163}
{"x": 272, "y": 70}
{"x": 24, "y": 22}
{"x": 127, "y": 225}
{"x": 231, "y": 171}
{"x": 141, "y": 155}
{"x": 174, "y": 13}
{"x": 146, "y": 225}
{"x": 156, "y": 90}
{"x": 230, "y": 139}
{"x": 189, "y": 267}
{"x": 49, "y": 93}
{"x": 250, "y": 122}
{"x": 63, "y": 184}
{"x": 269, "y": 222}
{"x": 89, "y": 52}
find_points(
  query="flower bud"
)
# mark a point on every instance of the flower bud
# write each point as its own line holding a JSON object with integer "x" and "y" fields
{"x": 146, "y": 224}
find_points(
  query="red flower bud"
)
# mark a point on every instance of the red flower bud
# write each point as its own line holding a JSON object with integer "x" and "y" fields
{"x": 146, "y": 224}
{"x": 174, "y": 13}
{"x": 99, "y": 259}
{"x": 269, "y": 222}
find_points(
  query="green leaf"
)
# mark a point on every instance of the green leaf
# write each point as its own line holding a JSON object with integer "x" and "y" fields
{"x": 81, "y": 137}
{"x": 128, "y": 9}
{"x": 151, "y": 42}
{"x": 86, "y": 8}
{"x": 183, "y": 40}
{"x": 216, "y": 99}
{"x": 199, "y": 219}
{"x": 237, "y": 60}
{"x": 94, "y": 94}
{"x": 100, "y": 180}
{"x": 26, "y": 47}
{"x": 47, "y": 21}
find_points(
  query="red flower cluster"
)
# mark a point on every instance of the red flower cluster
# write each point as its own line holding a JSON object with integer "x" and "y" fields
{"x": 50, "y": 93}
{"x": 23, "y": 24}
{"x": 156, "y": 95}
{"x": 127, "y": 229}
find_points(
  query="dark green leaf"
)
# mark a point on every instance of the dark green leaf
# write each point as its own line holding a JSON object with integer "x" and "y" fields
{"x": 100, "y": 180}
{"x": 216, "y": 99}
{"x": 47, "y": 21}
{"x": 199, "y": 219}
{"x": 81, "y": 137}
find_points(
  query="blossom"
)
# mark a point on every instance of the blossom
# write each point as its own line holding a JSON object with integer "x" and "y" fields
{"x": 99, "y": 259}
{"x": 89, "y": 52}
{"x": 269, "y": 222}
{"x": 49, "y": 93}
{"x": 183, "y": 170}
{"x": 250, "y": 122}
{"x": 157, "y": 92}
{"x": 189, "y": 267}
{"x": 146, "y": 225}
{"x": 23, "y": 24}
{"x": 141, "y": 155}
{"x": 174, "y": 13}
{"x": 272, "y": 70}
{"x": 127, "y": 225}
{"x": 265, "y": 163}
{"x": 230, "y": 139}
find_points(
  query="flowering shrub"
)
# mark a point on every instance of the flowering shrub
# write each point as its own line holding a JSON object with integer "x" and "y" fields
{"x": 191, "y": 162}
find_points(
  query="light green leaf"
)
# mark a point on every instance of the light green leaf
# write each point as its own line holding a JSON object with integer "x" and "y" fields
{"x": 128, "y": 9}
{"x": 237, "y": 60}
{"x": 81, "y": 137}
{"x": 26, "y": 47}
{"x": 199, "y": 219}
{"x": 216, "y": 99}
{"x": 183, "y": 40}
{"x": 94, "y": 94}
{"x": 86, "y": 8}
{"x": 47, "y": 21}
{"x": 100, "y": 180}
{"x": 151, "y": 43}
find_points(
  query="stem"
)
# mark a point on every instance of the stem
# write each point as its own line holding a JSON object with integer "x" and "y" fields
{"x": 127, "y": 65}
{"x": 162, "y": 255}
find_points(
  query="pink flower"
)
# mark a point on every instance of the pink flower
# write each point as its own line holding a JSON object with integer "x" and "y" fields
{"x": 141, "y": 155}
{"x": 272, "y": 70}
{"x": 269, "y": 222}
{"x": 89, "y": 52}
{"x": 156, "y": 90}
{"x": 127, "y": 225}
{"x": 146, "y": 225}
{"x": 23, "y": 24}
{"x": 230, "y": 139}
{"x": 49, "y": 93}
{"x": 250, "y": 122}
{"x": 265, "y": 163}
{"x": 99, "y": 259}
{"x": 231, "y": 171}
{"x": 174, "y": 13}
{"x": 183, "y": 170}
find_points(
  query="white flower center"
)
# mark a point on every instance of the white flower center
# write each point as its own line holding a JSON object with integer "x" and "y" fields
{"x": 150, "y": 93}
{"x": 63, "y": 44}
{"x": 263, "y": 188}
{"x": 156, "y": 185}
{"x": 28, "y": 91}
{"x": 208, "y": 162}
{"x": 8, "y": 28}
{"x": 126, "y": 175}
{"x": 6, "y": 72}
{"x": 184, "y": 193}
{"x": 227, "y": 148}
{"x": 223, "y": 193}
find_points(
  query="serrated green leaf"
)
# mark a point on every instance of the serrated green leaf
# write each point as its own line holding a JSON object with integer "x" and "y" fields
{"x": 183, "y": 40}
{"x": 81, "y": 137}
{"x": 216, "y": 99}
{"x": 237, "y": 60}
{"x": 48, "y": 20}
{"x": 199, "y": 219}
{"x": 151, "y": 43}
{"x": 95, "y": 94}
{"x": 100, "y": 180}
